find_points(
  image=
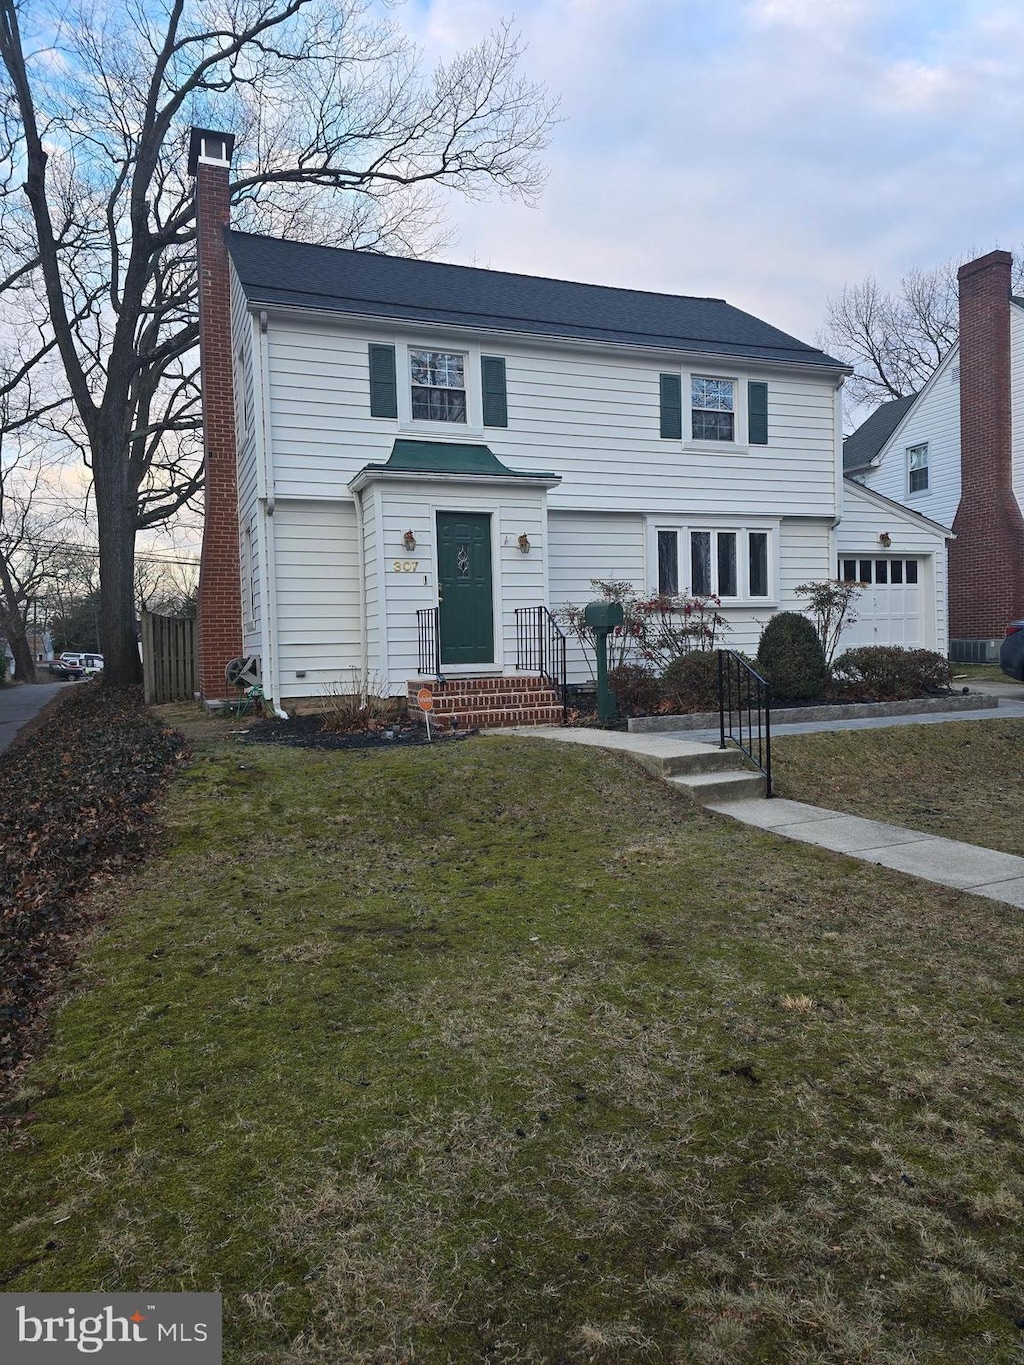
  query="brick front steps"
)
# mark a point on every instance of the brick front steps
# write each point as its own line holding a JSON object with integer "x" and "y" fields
{"x": 488, "y": 703}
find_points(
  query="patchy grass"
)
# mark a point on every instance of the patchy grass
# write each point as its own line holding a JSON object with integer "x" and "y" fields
{"x": 972, "y": 673}
{"x": 961, "y": 779}
{"x": 503, "y": 1052}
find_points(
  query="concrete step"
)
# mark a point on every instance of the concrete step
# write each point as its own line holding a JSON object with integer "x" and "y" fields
{"x": 747, "y": 785}
{"x": 704, "y": 759}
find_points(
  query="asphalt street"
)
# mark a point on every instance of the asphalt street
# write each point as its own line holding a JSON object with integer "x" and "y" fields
{"x": 19, "y": 703}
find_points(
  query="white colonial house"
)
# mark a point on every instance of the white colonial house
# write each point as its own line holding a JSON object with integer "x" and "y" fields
{"x": 424, "y": 460}
{"x": 954, "y": 453}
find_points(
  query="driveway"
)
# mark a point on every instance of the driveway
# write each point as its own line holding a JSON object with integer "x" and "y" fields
{"x": 20, "y": 703}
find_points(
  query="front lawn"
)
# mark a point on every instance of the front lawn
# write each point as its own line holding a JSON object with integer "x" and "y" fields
{"x": 961, "y": 780}
{"x": 501, "y": 1051}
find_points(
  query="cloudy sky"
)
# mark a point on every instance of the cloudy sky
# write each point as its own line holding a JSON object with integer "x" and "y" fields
{"x": 765, "y": 151}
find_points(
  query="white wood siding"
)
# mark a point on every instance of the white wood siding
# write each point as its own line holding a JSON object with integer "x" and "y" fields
{"x": 518, "y": 579}
{"x": 934, "y": 418}
{"x": 857, "y": 538}
{"x": 588, "y": 546}
{"x": 1017, "y": 398}
{"x": 246, "y": 425}
{"x": 317, "y": 595}
{"x": 590, "y": 415}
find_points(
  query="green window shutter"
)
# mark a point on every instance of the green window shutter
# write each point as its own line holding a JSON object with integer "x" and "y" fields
{"x": 492, "y": 374}
{"x": 383, "y": 383}
{"x": 757, "y": 414}
{"x": 671, "y": 407}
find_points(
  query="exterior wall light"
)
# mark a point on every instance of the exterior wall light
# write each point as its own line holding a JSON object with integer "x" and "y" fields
{"x": 409, "y": 540}
{"x": 885, "y": 539}
{"x": 524, "y": 543}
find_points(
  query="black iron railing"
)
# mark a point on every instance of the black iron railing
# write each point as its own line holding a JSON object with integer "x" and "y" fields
{"x": 540, "y": 647}
{"x": 428, "y": 637}
{"x": 744, "y": 711}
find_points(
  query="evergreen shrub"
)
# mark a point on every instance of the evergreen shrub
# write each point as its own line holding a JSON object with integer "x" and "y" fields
{"x": 791, "y": 657}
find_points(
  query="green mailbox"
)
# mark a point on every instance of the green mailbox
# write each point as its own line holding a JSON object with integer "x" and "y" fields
{"x": 602, "y": 618}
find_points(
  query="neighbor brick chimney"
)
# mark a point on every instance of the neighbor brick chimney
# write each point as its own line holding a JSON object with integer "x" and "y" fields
{"x": 219, "y": 612}
{"x": 986, "y": 561}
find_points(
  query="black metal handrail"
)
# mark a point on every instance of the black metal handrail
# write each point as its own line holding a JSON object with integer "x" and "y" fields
{"x": 541, "y": 647}
{"x": 428, "y": 636}
{"x": 743, "y": 693}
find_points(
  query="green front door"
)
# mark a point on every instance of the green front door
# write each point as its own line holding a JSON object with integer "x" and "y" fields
{"x": 466, "y": 617}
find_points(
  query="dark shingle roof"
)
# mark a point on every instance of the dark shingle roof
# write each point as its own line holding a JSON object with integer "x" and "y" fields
{"x": 273, "y": 271}
{"x": 862, "y": 445}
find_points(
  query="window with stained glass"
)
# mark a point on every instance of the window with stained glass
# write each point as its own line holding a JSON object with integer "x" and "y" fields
{"x": 438, "y": 386}
{"x": 712, "y": 409}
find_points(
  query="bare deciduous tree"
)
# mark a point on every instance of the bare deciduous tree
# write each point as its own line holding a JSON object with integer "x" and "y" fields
{"x": 342, "y": 138}
{"x": 31, "y": 553}
{"x": 895, "y": 338}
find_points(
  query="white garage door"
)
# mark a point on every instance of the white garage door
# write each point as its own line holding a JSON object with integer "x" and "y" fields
{"x": 890, "y": 608}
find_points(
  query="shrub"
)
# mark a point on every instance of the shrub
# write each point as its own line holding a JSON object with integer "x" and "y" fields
{"x": 791, "y": 657}
{"x": 831, "y": 605}
{"x": 357, "y": 704}
{"x": 690, "y": 682}
{"x": 890, "y": 673}
{"x": 636, "y": 688}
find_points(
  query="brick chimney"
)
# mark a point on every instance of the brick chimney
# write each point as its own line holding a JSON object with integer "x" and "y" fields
{"x": 219, "y": 612}
{"x": 986, "y": 561}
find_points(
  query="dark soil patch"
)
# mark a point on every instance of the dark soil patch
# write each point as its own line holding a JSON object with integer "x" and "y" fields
{"x": 307, "y": 732}
{"x": 80, "y": 792}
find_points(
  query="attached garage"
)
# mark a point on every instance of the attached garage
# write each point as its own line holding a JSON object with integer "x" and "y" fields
{"x": 891, "y": 609}
{"x": 900, "y": 557}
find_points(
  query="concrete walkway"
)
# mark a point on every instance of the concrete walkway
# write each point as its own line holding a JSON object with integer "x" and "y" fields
{"x": 698, "y": 764}
{"x": 985, "y": 872}
{"x": 1006, "y": 710}
{"x": 20, "y": 703}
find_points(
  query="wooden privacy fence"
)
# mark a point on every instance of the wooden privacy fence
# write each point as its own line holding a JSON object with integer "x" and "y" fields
{"x": 169, "y": 665}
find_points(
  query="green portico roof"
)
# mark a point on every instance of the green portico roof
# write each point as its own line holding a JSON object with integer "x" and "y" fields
{"x": 449, "y": 457}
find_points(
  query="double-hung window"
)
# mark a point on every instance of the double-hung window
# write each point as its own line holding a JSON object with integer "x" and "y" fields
{"x": 730, "y": 564}
{"x": 917, "y": 468}
{"x": 438, "y": 386}
{"x": 712, "y": 409}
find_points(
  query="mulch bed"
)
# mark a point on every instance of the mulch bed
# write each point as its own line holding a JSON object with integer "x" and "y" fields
{"x": 78, "y": 802}
{"x": 307, "y": 732}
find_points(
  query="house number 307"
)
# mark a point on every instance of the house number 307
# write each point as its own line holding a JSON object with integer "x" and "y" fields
{"x": 405, "y": 565}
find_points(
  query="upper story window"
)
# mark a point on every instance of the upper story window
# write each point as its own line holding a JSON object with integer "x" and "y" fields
{"x": 917, "y": 468}
{"x": 438, "y": 386}
{"x": 713, "y": 409}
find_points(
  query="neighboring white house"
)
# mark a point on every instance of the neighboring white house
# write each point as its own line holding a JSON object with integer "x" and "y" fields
{"x": 911, "y": 451}
{"x": 432, "y": 455}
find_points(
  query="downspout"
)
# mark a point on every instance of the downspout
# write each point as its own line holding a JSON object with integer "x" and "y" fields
{"x": 364, "y": 644}
{"x": 837, "y": 425}
{"x": 265, "y": 493}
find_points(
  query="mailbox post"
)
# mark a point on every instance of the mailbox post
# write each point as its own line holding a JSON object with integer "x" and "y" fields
{"x": 602, "y": 618}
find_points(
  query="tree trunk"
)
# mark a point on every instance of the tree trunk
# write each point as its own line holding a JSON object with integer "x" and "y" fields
{"x": 115, "y": 516}
{"x": 24, "y": 664}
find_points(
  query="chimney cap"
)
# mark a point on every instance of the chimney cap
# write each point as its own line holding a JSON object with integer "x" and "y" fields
{"x": 993, "y": 260}
{"x": 208, "y": 145}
